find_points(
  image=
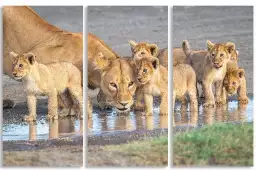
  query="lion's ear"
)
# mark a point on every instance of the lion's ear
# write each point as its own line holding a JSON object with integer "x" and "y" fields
{"x": 237, "y": 52}
{"x": 133, "y": 44}
{"x": 153, "y": 49}
{"x": 230, "y": 47}
{"x": 210, "y": 45}
{"x": 240, "y": 73}
{"x": 100, "y": 62}
{"x": 13, "y": 55}
{"x": 155, "y": 62}
{"x": 31, "y": 57}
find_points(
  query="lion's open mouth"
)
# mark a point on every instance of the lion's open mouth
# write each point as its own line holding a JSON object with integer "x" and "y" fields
{"x": 217, "y": 65}
{"x": 142, "y": 82}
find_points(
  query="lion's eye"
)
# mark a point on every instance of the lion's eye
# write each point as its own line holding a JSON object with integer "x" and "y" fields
{"x": 234, "y": 83}
{"x": 130, "y": 84}
{"x": 221, "y": 54}
{"x": 113, "y": 85}
{"x": 142, "y": 53}
{"x": 212, "y": 54}
{"x": 145, "y": 70}
{"x": 20, "y": 65}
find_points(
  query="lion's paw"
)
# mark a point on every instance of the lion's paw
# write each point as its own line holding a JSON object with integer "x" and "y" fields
{"x": 243, "y": 100}
{"x": 29, "y": 118}
{"x": 163, "y": 112}
{"x": 209, "y": 104}
{"x": 148, "y": 113}
{"x": 52, "y": 116}
{"x": 220, "y": 103}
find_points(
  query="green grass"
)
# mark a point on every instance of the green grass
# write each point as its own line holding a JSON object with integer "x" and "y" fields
{"x": 148, "y": 152}
{"x": 219, "y": 144}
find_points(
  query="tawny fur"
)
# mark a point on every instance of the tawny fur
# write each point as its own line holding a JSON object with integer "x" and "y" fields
{"x": 95, "y": 46}
{"x": 153, "y": 82}
{"x": 51, "y": 80}
{"x": 235, "y": 82}
{"x": 116, "y": 80}
{"x": 25, "y": 31}
{"x": 210, "y": 67}
{"x": 184, "y": 82}
{"x": 144, "y": 49}
{"x": 178, "y": 57}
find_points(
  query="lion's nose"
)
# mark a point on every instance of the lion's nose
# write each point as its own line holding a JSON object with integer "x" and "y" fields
{"x": 123, "y": 103}
{"x": 139, "y": 78}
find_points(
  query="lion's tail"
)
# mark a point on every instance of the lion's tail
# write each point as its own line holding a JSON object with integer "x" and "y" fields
{"x": 186, "y": 47}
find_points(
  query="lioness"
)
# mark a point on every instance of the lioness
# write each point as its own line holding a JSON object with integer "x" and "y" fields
{"x": 117, "y": 81}
{"x": 51, "y": 80}
{"x": 153, "y": 80}
{"x": 210, "y": 67}
{"x": 144, "y": 49}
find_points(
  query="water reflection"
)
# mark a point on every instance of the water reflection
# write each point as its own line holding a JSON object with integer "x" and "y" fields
{"x": 232, "y": 112}
{"x": 42, "y": 129}
{"x": 110, "y": 121}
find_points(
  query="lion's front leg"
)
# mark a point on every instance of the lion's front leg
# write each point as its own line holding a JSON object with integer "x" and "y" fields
{"x": 65, "y": 104}
{"x": 31, "y": 101}
{"x": 148, "y": 98}
{"x": 209, "y": 97}
{"x": 164, "y": 104}
{"x": 242, "y": 93}
{"x": 219, "y": 93}
{"x": 139, "y": 106}
{"x": 52, "y": 104}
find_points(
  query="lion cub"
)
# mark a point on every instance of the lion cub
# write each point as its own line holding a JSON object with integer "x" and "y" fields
{"x": 51, "y": 80}
{"x": 144, "y": 49}
{"x": 153, "y": 81}
{"x": 235, "y": 82}
{"x": 210, "y": 67}
{"x": 184, "y": 82}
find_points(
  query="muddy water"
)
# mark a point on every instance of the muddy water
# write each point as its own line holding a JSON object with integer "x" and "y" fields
{"x": 110, "y": 121}
{"x": 42, "y": 129}
{"x": 232, "y": 112}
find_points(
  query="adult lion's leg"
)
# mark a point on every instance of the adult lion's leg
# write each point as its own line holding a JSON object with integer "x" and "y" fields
{"x": 31, "y": 100}
{"x": 76, "y": 94}
{"x": 52, "y": 105}
{"x": 65, "y": 104}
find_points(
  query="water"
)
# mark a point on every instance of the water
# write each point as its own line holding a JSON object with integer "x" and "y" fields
{"x": 110, "y": 121}
{"x": 232, "y": 112}
{"x": 42, "y": 129}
